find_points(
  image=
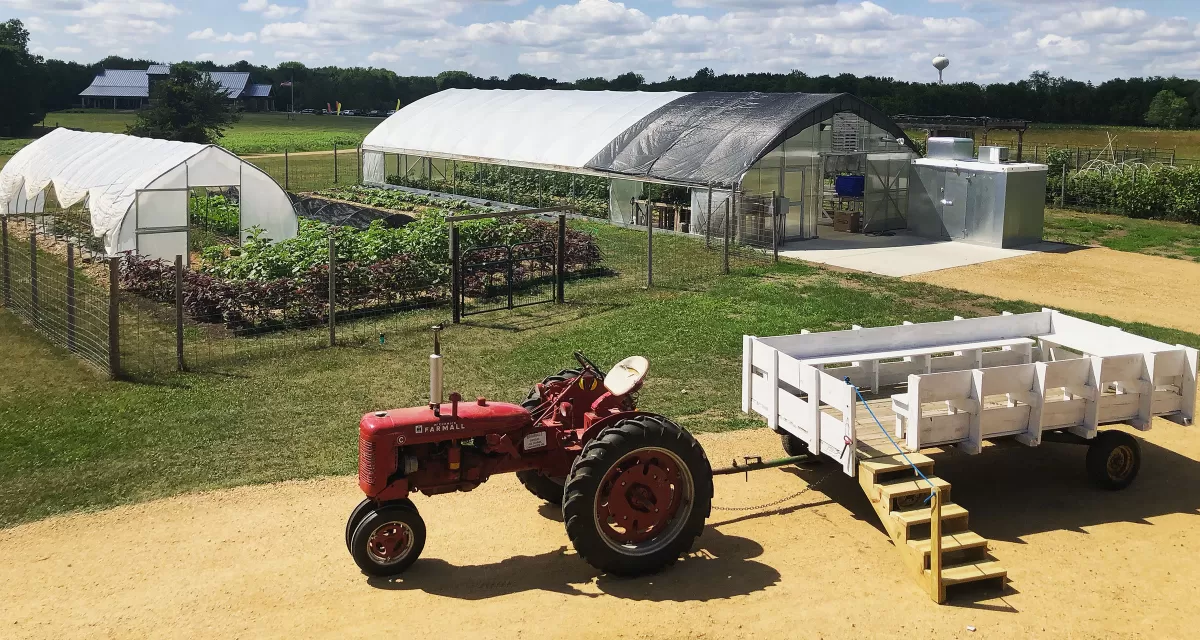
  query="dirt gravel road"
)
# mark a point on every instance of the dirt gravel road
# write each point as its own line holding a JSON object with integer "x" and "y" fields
{"x": 1127, "y": 286}
{"x": 270, "y": 562}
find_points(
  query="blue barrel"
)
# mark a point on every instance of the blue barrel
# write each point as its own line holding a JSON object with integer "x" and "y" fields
{"x": 850, "y": 186}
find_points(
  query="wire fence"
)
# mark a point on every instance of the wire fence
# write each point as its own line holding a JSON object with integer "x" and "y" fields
{"x": 311, "y": 170}
{"x": 54, "y": 288}
{"x": 140, "y": 318}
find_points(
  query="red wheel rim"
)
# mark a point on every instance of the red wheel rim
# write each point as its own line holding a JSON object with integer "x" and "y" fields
{"x": 390, "y": 542}
{"x": 643, "y": 500}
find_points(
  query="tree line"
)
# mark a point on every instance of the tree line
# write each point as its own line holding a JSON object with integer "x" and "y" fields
{"x": 50, "y": 85}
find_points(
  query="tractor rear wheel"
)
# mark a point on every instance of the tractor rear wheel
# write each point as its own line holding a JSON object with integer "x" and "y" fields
{"x": 363, "y": 509}
{"x": 544, "y": 487}
{"x": 533, "y": 400}
{"x": 388, "y": 540}
{"x": 637, "y": 496}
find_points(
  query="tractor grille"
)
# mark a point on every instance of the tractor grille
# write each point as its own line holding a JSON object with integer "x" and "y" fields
{"x": 366, "y": 462}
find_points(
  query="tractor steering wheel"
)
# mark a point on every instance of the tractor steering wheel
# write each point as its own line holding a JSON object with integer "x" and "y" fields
{"x": 587, "y": 363}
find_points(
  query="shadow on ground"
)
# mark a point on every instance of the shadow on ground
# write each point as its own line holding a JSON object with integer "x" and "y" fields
{"x": 720, "y": 566}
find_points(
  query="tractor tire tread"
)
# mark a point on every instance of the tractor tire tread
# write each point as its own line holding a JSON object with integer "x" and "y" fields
{"x": 589, "y": 469}
{"x": 541, "y": 486}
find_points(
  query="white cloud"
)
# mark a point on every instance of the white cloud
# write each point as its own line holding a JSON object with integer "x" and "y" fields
{"x": 1062, "y": 46}
{"x": 270, "y": 11}
{"x": 209, "y": 34}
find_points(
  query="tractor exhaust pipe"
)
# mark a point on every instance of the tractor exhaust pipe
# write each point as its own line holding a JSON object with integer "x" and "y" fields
{"x": 435, "y": 371}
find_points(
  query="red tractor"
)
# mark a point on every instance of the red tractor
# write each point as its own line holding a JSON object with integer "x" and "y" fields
{"x": 635, "y": 488}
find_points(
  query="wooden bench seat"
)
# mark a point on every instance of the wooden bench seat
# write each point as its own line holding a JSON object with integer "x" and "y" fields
{"x": 877, "y": 369}
{"x": 919, "y": 351}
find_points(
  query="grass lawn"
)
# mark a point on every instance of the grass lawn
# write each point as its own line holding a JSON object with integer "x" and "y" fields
{"x": 1154, "y": 237}
{"x": 254, "y": 133}
{"x": 69, "y": 440}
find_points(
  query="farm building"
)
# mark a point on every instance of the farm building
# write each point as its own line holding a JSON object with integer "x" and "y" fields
{"x": 130, "y": 89}
{"x": 812, "y": 160}
{"x": 137, "y": 190}
{"x": 759, "y": 144}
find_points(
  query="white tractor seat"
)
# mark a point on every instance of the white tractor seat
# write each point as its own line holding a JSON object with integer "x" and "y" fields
{"x": 626, "y": 375}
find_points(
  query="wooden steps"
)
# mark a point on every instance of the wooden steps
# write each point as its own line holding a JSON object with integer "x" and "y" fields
{"x": 904, "y": 505}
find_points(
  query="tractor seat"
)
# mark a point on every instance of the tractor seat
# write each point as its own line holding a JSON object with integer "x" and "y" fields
{"x": 626, "y": 375}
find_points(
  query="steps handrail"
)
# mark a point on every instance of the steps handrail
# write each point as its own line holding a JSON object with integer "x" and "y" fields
{"x": 932, "y": 488}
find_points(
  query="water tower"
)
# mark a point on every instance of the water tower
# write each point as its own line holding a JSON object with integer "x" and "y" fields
{"x": 940, "y": 63}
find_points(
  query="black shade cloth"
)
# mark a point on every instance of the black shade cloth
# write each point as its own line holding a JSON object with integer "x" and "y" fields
{"x": 713, "y": 138}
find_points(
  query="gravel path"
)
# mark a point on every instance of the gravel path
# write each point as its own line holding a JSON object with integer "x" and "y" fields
{"x": 1127, "y": 286}
{"x": 270, "y": 562}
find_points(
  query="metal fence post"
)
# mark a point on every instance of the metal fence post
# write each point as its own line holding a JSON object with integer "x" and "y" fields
{"x": 332, "y": 288}
{"x": 287, "y": 172}
{"x": 358, "y": 165}
{"x": 71, "y": 297}
{"x": 179, "y": 363}
{"x": 33, "y": 279}
{"x": 561, "y": 267}
{"x": 708, "y": 222}
{"x": 649, "y": 243}
{"x": 775, "y": 225}
{"x": 114, "y": 318}
{"x": 7, "y": 268}
{"x": 725, "y": 251}
{"x": 1062, "y": 198}
{"x": 335, "y": 167}
{"x": 455, "y": 275}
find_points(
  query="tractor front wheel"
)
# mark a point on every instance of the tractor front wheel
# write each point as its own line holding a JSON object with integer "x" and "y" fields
{"x": 388, "y": 540}
{"x": 637, "y": 496}
{"x": 363, "y": 509}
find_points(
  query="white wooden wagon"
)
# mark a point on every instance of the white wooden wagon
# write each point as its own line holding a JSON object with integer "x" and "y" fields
{"x": 1024, "y": 377}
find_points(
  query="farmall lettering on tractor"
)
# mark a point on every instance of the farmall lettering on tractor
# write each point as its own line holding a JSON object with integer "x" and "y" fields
{"x": 635, "y": 488}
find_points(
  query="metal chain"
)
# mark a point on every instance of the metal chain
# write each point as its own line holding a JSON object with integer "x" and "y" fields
{"x": 781, "y": 500}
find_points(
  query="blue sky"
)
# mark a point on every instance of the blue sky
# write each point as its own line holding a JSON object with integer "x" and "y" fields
{"x": 986, "y": 40}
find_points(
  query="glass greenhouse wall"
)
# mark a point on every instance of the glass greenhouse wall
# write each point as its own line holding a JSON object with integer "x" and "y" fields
{"x": 802, "y": 170}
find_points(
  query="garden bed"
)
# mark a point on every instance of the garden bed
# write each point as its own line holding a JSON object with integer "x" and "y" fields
{"x": 265, "y": 286}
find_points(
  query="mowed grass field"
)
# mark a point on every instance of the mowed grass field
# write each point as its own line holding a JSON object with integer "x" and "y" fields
{"x": 70, "y": 440}
{"x": 254, "y": 133}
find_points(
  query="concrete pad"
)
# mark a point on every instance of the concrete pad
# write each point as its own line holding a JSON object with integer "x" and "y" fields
{"x": 900, "y": 254}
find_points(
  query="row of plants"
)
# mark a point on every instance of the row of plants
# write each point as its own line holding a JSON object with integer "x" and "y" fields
{"x": 264, "y": 285}
{"x": 527, "y": 187}
{"x": 1135, "y": 190}
{"x": 215, "y": 213}
{"x": 397, "y": 199}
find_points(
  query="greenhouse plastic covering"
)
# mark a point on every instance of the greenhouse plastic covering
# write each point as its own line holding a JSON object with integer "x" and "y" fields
{"x": 698, "y": 139}
{"x": 109, "y": 170}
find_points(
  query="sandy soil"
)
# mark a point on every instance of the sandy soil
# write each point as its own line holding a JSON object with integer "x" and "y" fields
{"x": 270, "y": 561}
{"x": 1119, "y": 284}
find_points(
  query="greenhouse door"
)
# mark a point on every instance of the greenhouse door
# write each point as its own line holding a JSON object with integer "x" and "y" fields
{"x": 162, "y": 223}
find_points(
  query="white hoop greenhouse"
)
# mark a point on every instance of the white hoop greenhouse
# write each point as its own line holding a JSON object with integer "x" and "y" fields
{"x": 136, "y": 190}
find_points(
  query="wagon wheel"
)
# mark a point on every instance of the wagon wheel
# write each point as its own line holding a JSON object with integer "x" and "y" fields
{"x": 1113, "y": 460}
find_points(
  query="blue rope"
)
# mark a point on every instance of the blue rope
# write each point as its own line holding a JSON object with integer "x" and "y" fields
{"x": 889, "y": 437}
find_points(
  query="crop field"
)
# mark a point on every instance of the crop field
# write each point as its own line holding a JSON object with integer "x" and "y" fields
{"x": 254, "y": 133}
{"x": 1186, "y": 142}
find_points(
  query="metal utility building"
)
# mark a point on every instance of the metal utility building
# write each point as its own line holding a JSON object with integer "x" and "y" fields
{"x": 789, "y": 145}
